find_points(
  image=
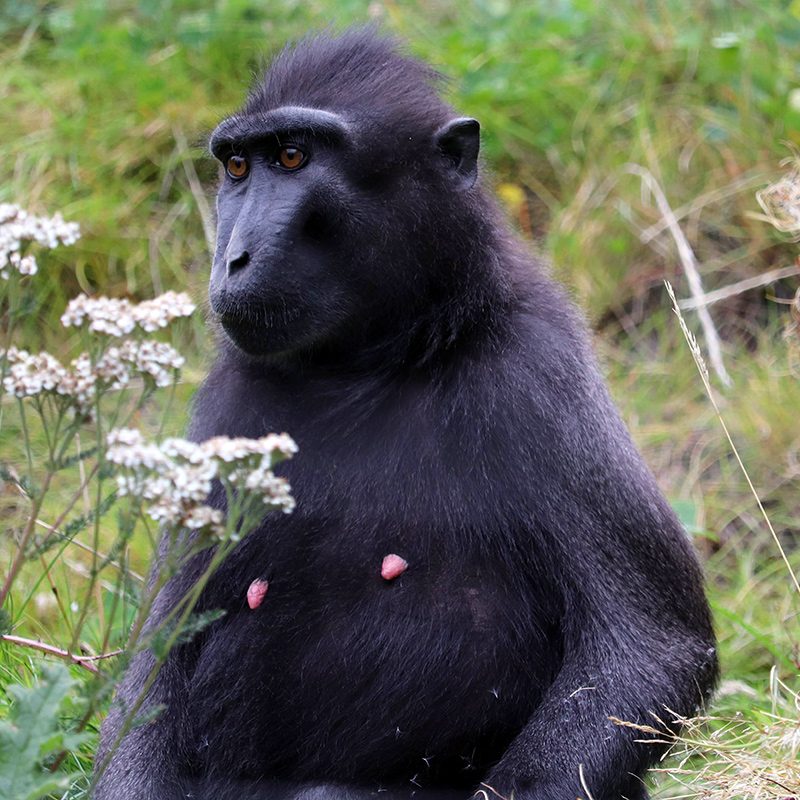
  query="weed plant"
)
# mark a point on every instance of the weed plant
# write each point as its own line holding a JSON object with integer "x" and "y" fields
{"x": 74, "y": 421}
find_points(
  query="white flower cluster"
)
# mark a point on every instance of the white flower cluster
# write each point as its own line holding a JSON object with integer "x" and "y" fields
{"x": 780, "y": 202}
{"x": 18, "y": 227}
{"x": 119, "y": 317}
{"x": 157, "y": 361}
{"x": 30, "y": 374}
{"x": 176, "y": 476}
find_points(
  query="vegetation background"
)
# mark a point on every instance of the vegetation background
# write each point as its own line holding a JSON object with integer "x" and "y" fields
{"x": 105, "y": 106}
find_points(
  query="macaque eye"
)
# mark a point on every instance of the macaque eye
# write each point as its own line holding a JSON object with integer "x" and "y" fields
{"x": 237, "y": 167}
{"x": 291, "y": 158}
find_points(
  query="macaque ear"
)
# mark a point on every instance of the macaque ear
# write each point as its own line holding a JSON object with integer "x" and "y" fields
{"x": 459, "y": 141}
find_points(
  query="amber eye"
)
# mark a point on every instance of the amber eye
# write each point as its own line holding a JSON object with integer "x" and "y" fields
{"x": 237, "y": 167}
{"x": 291, "y": 158}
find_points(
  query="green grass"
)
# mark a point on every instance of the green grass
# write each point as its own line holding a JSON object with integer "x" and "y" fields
{"x": 106, "y": 105}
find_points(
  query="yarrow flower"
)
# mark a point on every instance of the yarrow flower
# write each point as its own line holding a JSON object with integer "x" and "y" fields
{"x": 176, "y": 477}
{"x": 156, "y": 361}
{"x": 18, "y": 227}
{"x": 157, "y": 313}
{"x": 28, "y": 375}
{"x": 241, "y": 449}
{"x": 106, "y": 315}
{"x": 33, "y": 374}
{"x": 118, "y": 317}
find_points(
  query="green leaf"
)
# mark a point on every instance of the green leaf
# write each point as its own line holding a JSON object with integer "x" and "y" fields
{"x": 197, "y": 623}
{"x": 71, "y": 461}
{"x": 32, "y": 732}
{"x": 686, "y": 511}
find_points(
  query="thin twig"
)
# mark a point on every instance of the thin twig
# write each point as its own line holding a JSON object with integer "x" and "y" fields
{"x": 87, "y": 548}
{"x": 85, "y": 572}
{"x": 746, "y": 181}
{"x": 689, "y": 264}
{"x": 51, "y": 650}
{"x": 739, "y": 287}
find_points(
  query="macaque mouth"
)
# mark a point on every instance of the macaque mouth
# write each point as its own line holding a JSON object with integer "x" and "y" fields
{"x": 248, "y": 317}
{"x": 246, "y": 312}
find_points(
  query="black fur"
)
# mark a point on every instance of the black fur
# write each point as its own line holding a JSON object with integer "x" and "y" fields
{"x": 448, "y": 409}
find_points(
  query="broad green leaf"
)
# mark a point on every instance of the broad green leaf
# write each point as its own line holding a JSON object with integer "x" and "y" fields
{"x": 30, "y": 733}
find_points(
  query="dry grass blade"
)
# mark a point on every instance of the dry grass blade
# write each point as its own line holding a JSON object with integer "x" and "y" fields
{"x": 701, "y": 366}
{"x": 689, "y": 264}
{"x": 740, "y": 286}
{"x": 753, "y": 758}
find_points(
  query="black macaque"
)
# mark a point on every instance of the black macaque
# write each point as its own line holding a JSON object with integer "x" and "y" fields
{"x": 373, "y": 303}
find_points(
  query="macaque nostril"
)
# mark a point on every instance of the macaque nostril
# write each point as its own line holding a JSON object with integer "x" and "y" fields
{"x": 241, "y": 261}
